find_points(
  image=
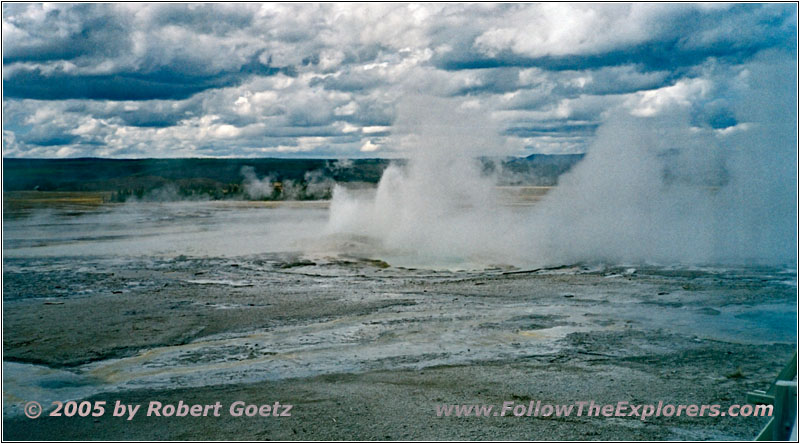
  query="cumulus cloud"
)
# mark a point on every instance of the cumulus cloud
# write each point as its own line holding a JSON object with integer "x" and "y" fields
{"x": 169, "y": 80}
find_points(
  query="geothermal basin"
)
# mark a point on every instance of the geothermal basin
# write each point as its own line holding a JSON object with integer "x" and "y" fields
{"x": 228, "y": 301}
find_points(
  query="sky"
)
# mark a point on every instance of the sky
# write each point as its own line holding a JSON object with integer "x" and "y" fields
{"x": 329, "y": 80}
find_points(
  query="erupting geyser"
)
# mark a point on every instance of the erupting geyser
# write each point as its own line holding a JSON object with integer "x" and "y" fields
{"x": 653, "y": 188}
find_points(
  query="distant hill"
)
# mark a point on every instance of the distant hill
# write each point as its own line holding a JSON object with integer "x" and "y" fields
{"x": 182, "y": 178}
{"x": 224, "y": 178}
{"x": 93, "y": 174}
{"x": 537, "y": 169}
{"x": 556, "y": 159}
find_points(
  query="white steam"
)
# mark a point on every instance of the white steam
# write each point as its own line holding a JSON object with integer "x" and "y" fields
{"x": 314, "y": 185}
{"x": 255, "y": 187}
{"x": 654, "y": 187}
{"x": 437, "y": 207}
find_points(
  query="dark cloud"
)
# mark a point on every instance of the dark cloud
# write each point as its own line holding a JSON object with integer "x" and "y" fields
{"x": 627, "y": 79}
{"x": 493, "y": 81}
{"x": 656, "y": 56}
{"x": 372, "y": 114}
{"x": 148, "y": 120}
{"x": 59, "y": 86}
{"x": 204, "y": 18}
{"x": 56, "y": 140}
{"x": 716, "y": 114}
{"x": 86, "y": 30}
{"x": 48, "y": 135}
{"x": 176, "y": 82}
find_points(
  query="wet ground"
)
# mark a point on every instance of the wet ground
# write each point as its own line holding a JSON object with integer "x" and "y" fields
{"x": 221, "y": 302}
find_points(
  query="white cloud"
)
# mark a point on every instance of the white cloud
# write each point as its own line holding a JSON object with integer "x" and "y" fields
{"x": 568, "y": 28}
{"x": 375, "y": 129}
{"x": 303, "y": 77}
{"x": 368, "y": 147}
{"x": 683, "y": 93}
